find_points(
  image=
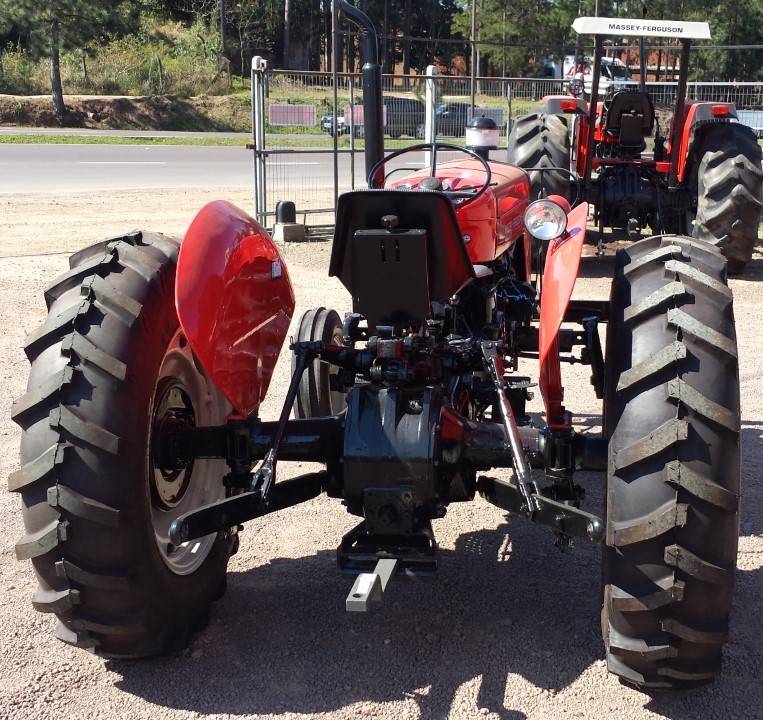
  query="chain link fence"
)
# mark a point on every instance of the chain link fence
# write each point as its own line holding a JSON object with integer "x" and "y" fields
{"x": 311, "y": 152}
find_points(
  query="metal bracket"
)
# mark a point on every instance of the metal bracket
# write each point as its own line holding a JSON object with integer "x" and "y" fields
{"x": 369, "y": 587}
{"x": 594, "y": 354}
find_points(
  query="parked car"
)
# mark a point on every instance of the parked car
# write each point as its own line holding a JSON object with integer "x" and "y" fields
{"x": 403, "y": 116}
{"x": 451, "y": 118}
{"x": 753, "y": 119}
{"x": 327, "y": 124}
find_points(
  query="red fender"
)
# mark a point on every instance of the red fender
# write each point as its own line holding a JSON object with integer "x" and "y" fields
{"x": 234, "y": 300}
{"x": 559, "y": 276}
{"x": 695, "y": 113}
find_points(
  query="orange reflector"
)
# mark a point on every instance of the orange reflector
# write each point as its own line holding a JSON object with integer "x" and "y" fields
{"x": 721, "y": 110}
{"x": 568, "y": 105}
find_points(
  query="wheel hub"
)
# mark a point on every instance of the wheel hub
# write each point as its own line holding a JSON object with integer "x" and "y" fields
{"x": 171, "y": 471}
{"x": 177, "y": 484}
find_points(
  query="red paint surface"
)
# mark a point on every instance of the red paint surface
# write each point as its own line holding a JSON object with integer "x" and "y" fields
{"x": 559, "y": 276}
{"x": 494, "y": 222}
{"x": 661, "y": 166}
{"x": 232, "y": 309}
{"x": 581, "y": 144}
{"x": 451, "y": 425}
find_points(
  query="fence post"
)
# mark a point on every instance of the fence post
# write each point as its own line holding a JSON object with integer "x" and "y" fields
{"x": 430, "y": 113}
{"x": 351, "y": 84}
{"x": 259, "y": 67}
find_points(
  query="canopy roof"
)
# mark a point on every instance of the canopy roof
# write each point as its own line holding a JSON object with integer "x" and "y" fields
{"x": 650, "y": 28}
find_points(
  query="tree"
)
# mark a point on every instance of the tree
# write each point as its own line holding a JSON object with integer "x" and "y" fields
{"x": 50, "y": 26}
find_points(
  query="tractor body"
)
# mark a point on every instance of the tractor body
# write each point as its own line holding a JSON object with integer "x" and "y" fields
{"x": 422, "y": 411}
{"x": 143, "y": 451}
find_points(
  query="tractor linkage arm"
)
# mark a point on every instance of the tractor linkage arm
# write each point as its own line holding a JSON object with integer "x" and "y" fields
{"x": 252, "y": 493}
{"x": 256, "y": 499}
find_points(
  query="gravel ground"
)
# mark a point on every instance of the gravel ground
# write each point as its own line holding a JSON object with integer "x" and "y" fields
{"x": 508, "y": 629}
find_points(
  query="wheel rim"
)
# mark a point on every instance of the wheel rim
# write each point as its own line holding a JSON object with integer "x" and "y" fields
{"x": 183, "y": 396}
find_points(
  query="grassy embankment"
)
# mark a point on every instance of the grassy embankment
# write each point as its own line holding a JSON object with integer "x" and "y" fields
{"x": 164, "y": 78}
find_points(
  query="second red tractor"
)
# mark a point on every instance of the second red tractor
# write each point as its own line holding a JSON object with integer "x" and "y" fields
{"x": 701, "y": 177}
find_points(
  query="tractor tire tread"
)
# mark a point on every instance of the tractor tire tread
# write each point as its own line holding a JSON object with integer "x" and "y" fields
{"x": 672, "y": 522}
{"x": 109, "y": 281}
{"x": 729, "y": 186}
{"x": 542, "y": 140}
{"x": 646, "y": 527}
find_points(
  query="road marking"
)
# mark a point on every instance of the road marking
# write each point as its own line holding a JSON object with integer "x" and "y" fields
{"x": 122, "y": 162}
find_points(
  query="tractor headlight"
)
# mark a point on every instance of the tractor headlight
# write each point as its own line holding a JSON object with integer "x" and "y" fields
{"x": 545, "y": 219}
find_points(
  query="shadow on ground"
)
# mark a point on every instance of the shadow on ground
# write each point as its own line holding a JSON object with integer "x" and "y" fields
{"x": 501, "y": 603}
{"x": 505, "y": 603}
{"x": 593, "y": 266}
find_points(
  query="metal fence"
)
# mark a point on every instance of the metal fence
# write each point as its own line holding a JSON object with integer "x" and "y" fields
{"x": 309, "y": 133}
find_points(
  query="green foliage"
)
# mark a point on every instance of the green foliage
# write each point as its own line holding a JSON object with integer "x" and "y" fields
{"x": 160, "y": 58}
{"x": 81, "y": 22}
{"x": 518, "y": 35}
{"x": 143, "y": 47}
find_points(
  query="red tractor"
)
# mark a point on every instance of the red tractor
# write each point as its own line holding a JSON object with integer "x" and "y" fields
{"x": 702, "y": 177}
{"x": 142, "y": 450}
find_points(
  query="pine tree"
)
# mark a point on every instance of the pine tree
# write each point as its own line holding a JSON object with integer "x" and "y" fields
{"x": 51, "y": 26}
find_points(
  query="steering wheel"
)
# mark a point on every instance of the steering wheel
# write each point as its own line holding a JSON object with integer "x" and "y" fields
{"x": 468, "y": 197}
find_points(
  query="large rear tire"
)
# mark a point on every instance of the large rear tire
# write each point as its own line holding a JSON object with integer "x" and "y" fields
{"x": 672, "y": 419}
{"x": 728, "y": 181}
{"x": 540, "y": 140}
{"x": 107, "y": 366}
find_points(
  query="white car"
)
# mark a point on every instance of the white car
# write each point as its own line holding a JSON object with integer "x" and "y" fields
{"x": 614, "y": 73}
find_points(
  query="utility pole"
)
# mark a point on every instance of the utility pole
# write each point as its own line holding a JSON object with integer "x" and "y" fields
{"x": 474, "y": 52}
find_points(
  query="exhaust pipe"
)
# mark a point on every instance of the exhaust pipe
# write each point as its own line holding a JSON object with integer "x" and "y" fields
{"x": 373, "y": 108}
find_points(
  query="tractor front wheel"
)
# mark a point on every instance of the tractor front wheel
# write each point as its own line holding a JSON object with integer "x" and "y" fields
{"x": 728, "y": 182}
{"x": 672, "y": 420}
{"x": 110, "y": 369}
{"x": 315, "y": 398}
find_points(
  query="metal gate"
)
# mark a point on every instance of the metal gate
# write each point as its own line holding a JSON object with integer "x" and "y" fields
{"x": 308, "y": 126}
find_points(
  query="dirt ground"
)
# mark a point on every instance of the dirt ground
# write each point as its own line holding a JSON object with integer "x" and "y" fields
{"x": 156, "y": 112}
{"x": 507, "y": 629}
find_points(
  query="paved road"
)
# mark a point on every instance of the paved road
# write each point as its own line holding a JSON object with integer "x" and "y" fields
{"x": 75, "y": 168}
{"x": 81, "y": 168}
{"x": 92, "y": 132}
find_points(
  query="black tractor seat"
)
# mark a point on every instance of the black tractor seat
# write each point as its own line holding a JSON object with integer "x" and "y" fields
{"x": 397, "y": 252}
{"x": 630, "y": 117}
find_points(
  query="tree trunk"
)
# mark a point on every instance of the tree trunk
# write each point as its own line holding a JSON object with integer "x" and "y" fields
{"x": 85, "y": 74}
{"x": 407, "y": 42}
{"x": 221, "y": 15}
{"x": 286, "y": 33}
{"x": 386, "y": 55}
{"x": 327, "y": 36}
{"x": 57, "y": 91}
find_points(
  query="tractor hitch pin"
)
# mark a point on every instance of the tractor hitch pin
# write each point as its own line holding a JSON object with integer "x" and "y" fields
{"x": 518, "y": 458}
{"x": 370, "y": 587}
